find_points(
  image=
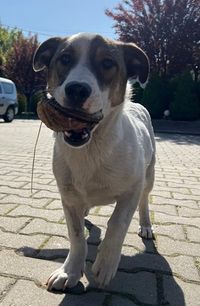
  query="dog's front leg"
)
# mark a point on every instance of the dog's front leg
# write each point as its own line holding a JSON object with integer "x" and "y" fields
{"x": 109, "y": 251}
{"x": 71, "y": 271}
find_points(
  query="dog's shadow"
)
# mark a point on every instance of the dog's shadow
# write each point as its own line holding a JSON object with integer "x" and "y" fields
{"x": 142, "y": 279}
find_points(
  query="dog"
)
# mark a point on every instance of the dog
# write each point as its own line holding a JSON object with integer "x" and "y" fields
{"x": 111, "y": 161}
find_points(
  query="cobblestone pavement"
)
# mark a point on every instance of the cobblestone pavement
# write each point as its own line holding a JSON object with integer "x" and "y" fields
{"x": 33, "y": 232}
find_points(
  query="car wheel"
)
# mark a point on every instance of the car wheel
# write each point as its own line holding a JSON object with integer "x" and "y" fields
{"x": 9, "y": 115}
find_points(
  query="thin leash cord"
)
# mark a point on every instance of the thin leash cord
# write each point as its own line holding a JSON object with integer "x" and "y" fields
{"x": 34, "y": 154}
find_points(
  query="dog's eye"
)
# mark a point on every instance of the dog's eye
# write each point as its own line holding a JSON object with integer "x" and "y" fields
{"x": 108, "y": 63}
{"x": 65, "y": 59}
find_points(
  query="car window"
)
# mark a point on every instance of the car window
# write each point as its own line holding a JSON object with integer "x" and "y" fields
{"x": 0, "y": 89}
{"x": 8, "y": 88}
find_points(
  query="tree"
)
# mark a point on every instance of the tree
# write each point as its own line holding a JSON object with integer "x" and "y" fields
{"x": 168, "y": 30}
{"x": 19, "y": 66}
{"x": 7, "y": 37}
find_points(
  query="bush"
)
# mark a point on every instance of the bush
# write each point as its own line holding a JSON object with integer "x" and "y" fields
{"x": 197, "y": 90}
{"x": 156, "y": 96}
{"x": 185, "y": 104}
{"x": 35, "y": 98}
{"x": 22, "y": 103}
{"x": 137, "y": 93}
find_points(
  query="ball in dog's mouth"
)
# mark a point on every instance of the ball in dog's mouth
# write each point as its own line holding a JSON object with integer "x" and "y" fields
{"x": 76, "y": 125}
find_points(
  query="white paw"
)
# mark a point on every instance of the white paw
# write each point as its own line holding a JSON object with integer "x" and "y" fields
{"x": 146, "y": 232}
{"x": 105, "y": 266}
{"x": 60, "y": 280}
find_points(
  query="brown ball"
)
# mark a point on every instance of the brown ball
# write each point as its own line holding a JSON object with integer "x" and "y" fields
{"x": 56, "y": 118}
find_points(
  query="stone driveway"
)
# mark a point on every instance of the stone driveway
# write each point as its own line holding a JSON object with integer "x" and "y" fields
{"x": 33, "y": 232}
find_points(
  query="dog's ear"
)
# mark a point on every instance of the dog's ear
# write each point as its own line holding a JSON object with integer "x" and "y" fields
{"x": 137, "y": 63}
{"x": 45, "y": 52}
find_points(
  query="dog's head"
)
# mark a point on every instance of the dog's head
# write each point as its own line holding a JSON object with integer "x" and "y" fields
{"x": 88, "y": 74}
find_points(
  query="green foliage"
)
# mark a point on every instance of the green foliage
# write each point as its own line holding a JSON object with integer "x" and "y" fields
{"x": 185, "y": 104}
{"x": 22, "y": 101}
{"x": 137, "y": 93}
{"x": 197, "y": 90}
{"x": 35, "y": 98}
{"x": 7, "y": 38}
{"x": 156, "y": 96}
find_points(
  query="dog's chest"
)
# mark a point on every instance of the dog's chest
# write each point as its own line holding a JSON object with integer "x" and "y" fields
{"x": 102, "y": 184}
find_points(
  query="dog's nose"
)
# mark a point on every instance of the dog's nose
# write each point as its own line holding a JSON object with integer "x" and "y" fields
{"x": 77, "y": 92}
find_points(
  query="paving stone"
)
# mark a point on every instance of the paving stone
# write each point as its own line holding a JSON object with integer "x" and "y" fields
{"x": 26, "y": 293}
{"x": 38, "y": 186}
{"x": 169, "y": 246}
{"x": 12, "y": 264}
{"x": 15, "y": 191}
{"x": 47, "y": 194}
{"x": 188, "y": 212}
{"x": 180, "y": 196}
{"x": 106, "y": 210}
{"x": 173, "y": 231}
{"x": 5, "y": 284}
{"x": 20, "y": 266}
{"x": 55, "y": 247}
{"x": 42, "y": 226}
{"x": 181, "y": 189}
{"x": 55, "y": 204}
{"x": 185, "y": 183}
{"x": 177, "y": 292}
{"x": 163, "y": 218}
{"x": 12, "y": 184}
{"x": 193, "y": 234}
{"x": 167, "y": 209}
{"x": 97, "y": 220}
{"x": 14, "y": 199}
{"x": 39, "y": 180}
{"x": 182, "y": 203}
{"x": 138, "y": 243}
{"x": 132, "y": 261}
{"x": 24, "y": 210}
{"x": 164, "y": 194}
{"x": 12, "y": 224}
{"x": 160, "y": 183}
{"x": 134, "y": 226}
{"x": 142, "y": 285}
{"x": 4, "y": 208}
{"x": 12, "y": 240}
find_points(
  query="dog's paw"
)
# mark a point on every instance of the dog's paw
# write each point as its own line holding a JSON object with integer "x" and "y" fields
{"x": 105, "y": 266}
{"x": 60, "y": 280}
{"x": 146, "y": 232}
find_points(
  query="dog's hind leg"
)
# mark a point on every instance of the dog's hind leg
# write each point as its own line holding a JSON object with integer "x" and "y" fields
{"x": 145, "y": 228}
{"x": 72, "y": 269}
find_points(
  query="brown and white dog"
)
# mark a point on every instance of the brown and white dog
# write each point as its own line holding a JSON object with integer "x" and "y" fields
{"x": 99, "y": 164}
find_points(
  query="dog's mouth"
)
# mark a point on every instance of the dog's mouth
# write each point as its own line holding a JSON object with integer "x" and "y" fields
{"x": 77, "y": 138}
{"x": 76, "y": 125}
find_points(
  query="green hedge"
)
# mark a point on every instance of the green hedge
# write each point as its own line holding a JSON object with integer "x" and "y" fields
{"x": 180, "y": 95}
{"x": 185, "y": 103}
{"x": 156, "y": 96}
{"x": 22, "y": 103}
{"x": 35, "y": 98}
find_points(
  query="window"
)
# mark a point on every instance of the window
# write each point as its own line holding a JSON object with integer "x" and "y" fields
{"x": 8, "y": 88}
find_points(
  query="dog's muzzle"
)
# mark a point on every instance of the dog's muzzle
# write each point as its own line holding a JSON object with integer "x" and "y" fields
{"x": 76, "y": 125}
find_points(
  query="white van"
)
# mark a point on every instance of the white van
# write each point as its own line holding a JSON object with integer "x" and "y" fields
{"x": 8, "y": 100}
